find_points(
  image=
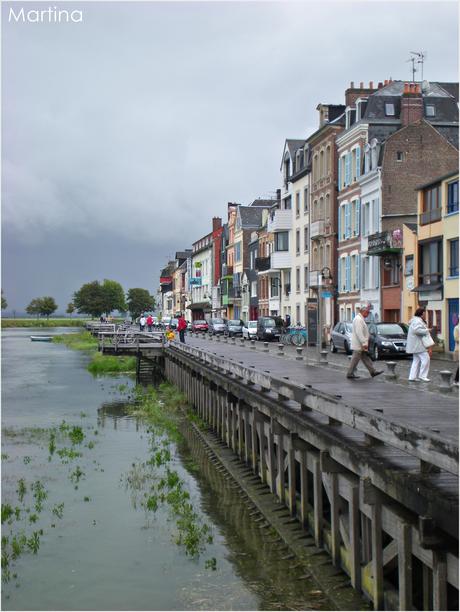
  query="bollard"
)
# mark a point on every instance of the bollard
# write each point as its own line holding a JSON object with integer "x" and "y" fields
{"x": 323, "y": 357}
{"x": 266, "y": 349}
{"x": 280, "y": 352}
{"x": 299, "y": 351}
{"x": 217, "y": 338}
{"x": 253, "y": 344}
{"x": 211, "y": 336}
{"x": 391, "y": 374}
{"x": 445, "y": 386}
{"x": 242, "y": 341}
{"x": 226, "y": 339}
{"x": 233, "y": 340}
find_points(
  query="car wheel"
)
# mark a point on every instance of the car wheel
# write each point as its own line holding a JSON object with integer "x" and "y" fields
{"x": 375, "y": 353}
{"x": 346, "y": 348}
{"x": 333, "y": 347}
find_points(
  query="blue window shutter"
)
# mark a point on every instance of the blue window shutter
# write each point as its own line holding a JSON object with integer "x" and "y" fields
{"x": 339, "y": 223}
{"x": 357, "y": 270}
{"x": 347, "y": 274}
{"x": 339, "y": 274}
{"x": 339, "y": 172}
{"x": 358, "y": 162}
{"x": 357, "y": 217}
{"x": 345, "y": 229}
{"x": 347, "y": 220}
{"x": 347, "y": 169}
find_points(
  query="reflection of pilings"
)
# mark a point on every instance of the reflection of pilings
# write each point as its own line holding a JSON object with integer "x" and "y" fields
{"x": 382, "y": 546}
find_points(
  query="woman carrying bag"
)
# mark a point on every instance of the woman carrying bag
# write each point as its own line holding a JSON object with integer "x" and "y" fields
{"x": 419, "y": 343}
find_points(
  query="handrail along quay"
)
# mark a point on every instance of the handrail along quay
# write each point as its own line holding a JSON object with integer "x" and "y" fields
{"x": 375, "y": 484}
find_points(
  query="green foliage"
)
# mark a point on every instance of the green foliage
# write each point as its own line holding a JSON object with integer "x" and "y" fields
{"x": 82, "y": 341}
{"x": 110, "y": 364}
{"x": 42, "y": 306}
{"x": 70, "y": 308}
{"x": 7, "y": 512}
{"x": 4, "y": 302}
{"x": 10, "y": 323}
{"x": 139, "y": 301}
{"x": 96, "y": 299}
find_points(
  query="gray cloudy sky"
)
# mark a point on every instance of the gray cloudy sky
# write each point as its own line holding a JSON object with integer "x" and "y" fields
{"x": 123, "y": 135}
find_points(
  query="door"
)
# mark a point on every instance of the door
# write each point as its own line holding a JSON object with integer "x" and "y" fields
{"x": 453, "y": 320}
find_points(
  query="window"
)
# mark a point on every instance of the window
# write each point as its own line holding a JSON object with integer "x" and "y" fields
{"x": 389, "y": 109}
{"x": 409, "y": 265}
{"x": 237, "y": 251}
{"x": 253, "y": 256}
{"x": 297, "y": 242}
{"x": 400, "y": 156}
{"x": 274, "y": 287}
{"x": 452, "y": 197}
{"x": 366, "y": 218}
{"x": 305, "y": 201}
{"x": 327, "y": 211}
{"x": 305, "y": 279}
{"x": 453, "y": 257}
{"x": 430, "y": 110}
{"x": 297, "y": 204}
{"x": 297, "y": 280}
{"x": 297, "y": 314}
{"x": 287, "y": 203}
{"x": 430, "y": 262}
{"x": 281, "y": 241}
{"x": 431, "y": 205}
{"x": 254, "y": 289}
{"x": 305, "y": 239}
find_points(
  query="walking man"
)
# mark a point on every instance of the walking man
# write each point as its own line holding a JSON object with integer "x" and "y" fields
{"x": 360, "y": 345}
{"x": 181, "y": 327}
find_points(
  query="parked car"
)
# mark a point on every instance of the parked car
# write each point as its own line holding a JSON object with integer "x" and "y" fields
{"x": 217, "y": 326}
{"x": 341, "y": 337}
{"x": 250, "y": 330}
{"x": 268, "y": 329}
{"x": 235, "y": 327}
{"x": 387, "y": 339}
{"x": 200, "y": 325}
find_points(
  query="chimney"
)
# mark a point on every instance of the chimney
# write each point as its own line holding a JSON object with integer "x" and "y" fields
{"x": 386, "y": 82}
{"x": 411, "y": 104}
{"x": 353, "y": 93}
{"x": 380, "y": 85}
{"x": 216, "y": 223}
{"x": 371, "y": 84}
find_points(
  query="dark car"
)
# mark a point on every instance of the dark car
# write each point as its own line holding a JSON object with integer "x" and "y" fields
{"x": 235, "y": 327}
{"x": 341, "y": 337}
{"x": 387, "y": 339}
{"x": 200, "y": 325}
{"x": 217, "y": 326}
{"x": 268, "y": 329}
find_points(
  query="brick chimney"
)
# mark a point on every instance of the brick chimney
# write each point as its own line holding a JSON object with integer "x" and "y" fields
{"x": 353, "y": 93}
{"x": 216, "y": 223}
{"x": 411, "y": 104}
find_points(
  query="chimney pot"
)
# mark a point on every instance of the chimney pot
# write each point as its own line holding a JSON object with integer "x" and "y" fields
{"x": 352, "y": 84}
{"x": 406, "y": 88}
{"x": 371, "y": 84}
{"x": 386, "y": 82}
{"x": 380, "y": 85}
{"x": 361, "y": 85}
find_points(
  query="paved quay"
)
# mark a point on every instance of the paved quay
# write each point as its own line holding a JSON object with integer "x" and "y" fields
{"x": 415, "y": 405}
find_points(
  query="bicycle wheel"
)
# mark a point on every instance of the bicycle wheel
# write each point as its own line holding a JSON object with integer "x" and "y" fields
{"x": 285, "y": 339}
{"x": 298, "y": 339}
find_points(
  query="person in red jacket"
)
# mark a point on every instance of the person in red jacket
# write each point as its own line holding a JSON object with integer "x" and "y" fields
{"x": 181, "y": 327}
{"x": 149, "y": 322}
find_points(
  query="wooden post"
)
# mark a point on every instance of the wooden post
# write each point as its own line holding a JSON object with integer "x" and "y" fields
{"x": 439, "y": 580}
{"x": 335, "y": 527}
{"x": 405, "y": 566}
{"x": 240, "y": 428}
{"x": 355, "y": 558}
{"x": 263, "y": 461}
{"x": 377, "y": 559}
{"x": 292, "y": 479}
{"x": 303, "y": 489}
{"x": 280, "y": 461}
{"x": 247, "y": 448}
{"x": 254, "y": 440}
{"x": 318, "y": 503}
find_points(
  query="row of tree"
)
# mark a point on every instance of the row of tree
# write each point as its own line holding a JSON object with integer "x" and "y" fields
{"x": 96, "y": 299}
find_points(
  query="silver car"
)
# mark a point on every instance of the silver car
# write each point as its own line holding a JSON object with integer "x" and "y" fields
{"x": 250, "y": 330}
{"x": 217, "y": 326}
{"x": 235, "y": 327}
{"x": 341, "y": 337}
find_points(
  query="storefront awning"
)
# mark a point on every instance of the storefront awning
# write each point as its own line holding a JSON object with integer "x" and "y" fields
{"x": 206, "y": 306}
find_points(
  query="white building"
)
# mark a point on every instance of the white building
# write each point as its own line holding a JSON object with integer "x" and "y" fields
{"x": 200, "y": 280}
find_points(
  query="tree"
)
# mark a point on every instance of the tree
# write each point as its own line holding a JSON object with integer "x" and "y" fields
{"x": 95, "y": 298}
{"x": 70, "y": 308}
{"x": 4, "y": 302}
{"x": 139, "y": 300}
{"x": 47, "y": 306}
{"x": 34, "y": 307}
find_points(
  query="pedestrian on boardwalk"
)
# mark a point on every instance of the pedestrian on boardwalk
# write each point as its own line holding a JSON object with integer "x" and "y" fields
{"x": 181, "y": 327}
{"x": 142, "y": 322}
{"x": 360, "y": 344}
{"x": 419, "y": 342}
{"x": 150, "y": 322}
{"x": 456, "y": 352}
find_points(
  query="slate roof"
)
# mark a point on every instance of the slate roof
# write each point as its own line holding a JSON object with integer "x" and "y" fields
{"x": 251, "y": 217}
{"x": 183, "y": 254}
{"x": 263, "y": 203}
{"x": 293, "y": 145}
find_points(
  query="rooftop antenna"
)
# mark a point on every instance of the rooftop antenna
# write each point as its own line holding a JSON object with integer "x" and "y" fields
{"x": 418, "y": 58}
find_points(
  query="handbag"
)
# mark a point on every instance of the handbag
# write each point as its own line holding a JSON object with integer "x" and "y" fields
{"x": 427, "y": 341}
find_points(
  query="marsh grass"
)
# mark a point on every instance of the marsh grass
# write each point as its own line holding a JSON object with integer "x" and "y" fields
{"x": 80, "y": 341}
{"x": 109, "y": 364}
{"x": 8, "y": 323}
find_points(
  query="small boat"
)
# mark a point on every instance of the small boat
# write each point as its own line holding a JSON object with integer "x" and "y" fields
{"x": 41, "y": 338}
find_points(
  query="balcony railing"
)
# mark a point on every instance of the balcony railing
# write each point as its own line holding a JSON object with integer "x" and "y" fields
{"x": 227, "y": 270}
{"x": 262, "y": 264}
{"x": 313, "y": 278}
{"x": 279, "y": 220}
{"x": 430, "y": 216}
{"x": 430, "y": 279}
{"x": 280, "y": 260}
{"x": 317, "y": 229}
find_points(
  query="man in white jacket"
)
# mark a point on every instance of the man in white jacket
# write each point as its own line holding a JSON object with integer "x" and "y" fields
{"x": 360, "y": 345}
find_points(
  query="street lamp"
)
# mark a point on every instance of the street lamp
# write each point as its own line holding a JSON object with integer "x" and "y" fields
{"x": 325, "y": 274}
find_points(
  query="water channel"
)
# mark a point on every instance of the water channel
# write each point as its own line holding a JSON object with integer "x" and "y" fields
{"x": 99, "y": 548}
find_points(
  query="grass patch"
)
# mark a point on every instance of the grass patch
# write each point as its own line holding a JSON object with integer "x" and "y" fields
{"x": 109, "y": 364}
{"x": 81, "y": 341}
{"x": 8, "y": 323}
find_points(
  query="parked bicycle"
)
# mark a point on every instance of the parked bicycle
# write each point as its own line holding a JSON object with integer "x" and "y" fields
{"x": 295, "y": 335}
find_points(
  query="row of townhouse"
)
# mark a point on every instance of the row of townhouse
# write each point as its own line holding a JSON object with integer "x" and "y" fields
{"x": 334, "y": 236}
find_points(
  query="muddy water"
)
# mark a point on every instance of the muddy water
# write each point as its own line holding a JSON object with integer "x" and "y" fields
{"x": 98, "y": 547}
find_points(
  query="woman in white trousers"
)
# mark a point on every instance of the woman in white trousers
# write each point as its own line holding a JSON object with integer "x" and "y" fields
{"x": 420, "y": 354}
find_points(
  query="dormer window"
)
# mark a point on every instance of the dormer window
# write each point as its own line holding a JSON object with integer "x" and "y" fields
{"x": 360, "y": 108}
{"x": 347, "y": 118}
{"x": 430, "y": 110}
{"x": 389, "y": 109}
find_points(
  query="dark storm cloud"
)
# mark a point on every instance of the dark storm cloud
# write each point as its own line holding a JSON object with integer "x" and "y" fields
{"x": 132, "y": 129}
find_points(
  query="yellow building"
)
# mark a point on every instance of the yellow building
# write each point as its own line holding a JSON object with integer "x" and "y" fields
{"x": 436, "y": 264}
{"x": 409, "y": 297}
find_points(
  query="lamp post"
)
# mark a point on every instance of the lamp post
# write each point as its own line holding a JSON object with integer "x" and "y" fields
{"x": 325, "y": 274}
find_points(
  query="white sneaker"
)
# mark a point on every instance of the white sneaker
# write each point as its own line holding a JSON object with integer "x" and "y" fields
{"x": 424, "y": 379}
